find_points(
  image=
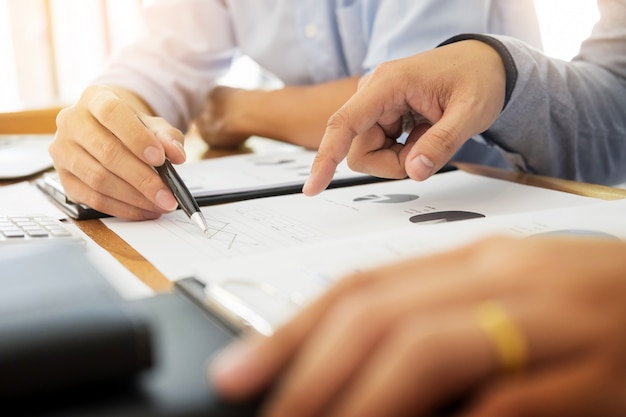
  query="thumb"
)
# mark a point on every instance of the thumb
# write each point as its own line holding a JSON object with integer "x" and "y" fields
{"x": 436, "y": 146}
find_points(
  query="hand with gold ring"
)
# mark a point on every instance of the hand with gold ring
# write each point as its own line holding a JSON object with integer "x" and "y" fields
{"x": 530, "y": 327}
{"x": 508, "y": 340}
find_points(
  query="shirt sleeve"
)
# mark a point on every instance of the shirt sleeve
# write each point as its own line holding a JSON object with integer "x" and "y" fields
{"x": 568, "y": 119}
{"x": 401, "y": 28}
{"x": 183, "y": 48}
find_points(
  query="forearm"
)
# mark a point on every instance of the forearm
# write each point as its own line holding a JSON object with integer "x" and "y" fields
{"x": 564, "y": 119}
{"x": 578, "y": 106}
{"x": 291, "y": 114}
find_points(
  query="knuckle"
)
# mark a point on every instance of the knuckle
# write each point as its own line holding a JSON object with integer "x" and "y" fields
{"x": 338, "y": 120}
{"x": 70, "y": 187}
{"x": 145, "y": 182}
{"x": 106, "y": 109}
{"x": 156, "y": 122}
{"x": 323, "y": 155}
{"x": 355, "y": 162}
{"x": 414, "y": 341}
{"x": 341, "y": 122}
{"x": 353, "y": 283}
{"x": 109, "y": 152}
{"x": 91, "y": 91}
{"x": 444, "y": 139}
{"x": 94, "y": 200}
{"x": 62, "y": 117}
{"x": 55, "y": 149}
{"x": 353, "y": 312}
{"x": 96, "y": 177}
{"x": 383, "y": 69}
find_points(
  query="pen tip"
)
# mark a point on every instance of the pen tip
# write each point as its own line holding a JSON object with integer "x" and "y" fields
{"x": 199, "y": 220}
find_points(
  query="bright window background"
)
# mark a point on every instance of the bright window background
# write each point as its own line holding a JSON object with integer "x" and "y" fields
{"x": 565, "y": 24}
{"x": 51, "y": 49}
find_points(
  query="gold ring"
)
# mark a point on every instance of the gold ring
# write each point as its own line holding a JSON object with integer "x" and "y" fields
{"x": 507, "y": 338}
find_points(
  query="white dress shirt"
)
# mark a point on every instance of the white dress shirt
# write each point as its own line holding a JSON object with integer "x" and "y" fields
{"x": 187, "y": 44}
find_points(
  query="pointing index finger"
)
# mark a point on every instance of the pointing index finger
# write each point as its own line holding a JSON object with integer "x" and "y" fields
{"x": 352, "y": 119}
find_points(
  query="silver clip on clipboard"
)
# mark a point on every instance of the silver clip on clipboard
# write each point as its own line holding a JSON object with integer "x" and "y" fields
{"x": 242, "y": 304}
{"x": 51, "y": 186}
{"x": 244, "y": 300}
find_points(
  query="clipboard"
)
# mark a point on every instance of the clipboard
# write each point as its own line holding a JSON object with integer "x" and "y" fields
{"x": 231, "y": 309}
{"x": 227, "y": 179}
{"x": 194, "y": 291}
{"x": 50, "y": 185}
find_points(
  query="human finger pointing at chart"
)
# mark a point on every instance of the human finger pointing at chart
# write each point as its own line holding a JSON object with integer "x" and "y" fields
{"x": 444, "y": 96}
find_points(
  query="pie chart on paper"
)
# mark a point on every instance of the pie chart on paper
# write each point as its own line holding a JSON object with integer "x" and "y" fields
{"x": 387, "y": 198}
{"x": 444, "y": 217}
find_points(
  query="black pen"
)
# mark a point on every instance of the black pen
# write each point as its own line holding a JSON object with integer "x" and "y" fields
{"x": 182, "y": 194}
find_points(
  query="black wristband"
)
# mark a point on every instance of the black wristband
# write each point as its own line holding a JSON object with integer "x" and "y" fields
{"x": 509, "y": 64}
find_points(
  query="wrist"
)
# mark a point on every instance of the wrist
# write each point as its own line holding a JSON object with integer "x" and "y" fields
{"x": 508, "y": 62}
{"x": 239, "y": 111}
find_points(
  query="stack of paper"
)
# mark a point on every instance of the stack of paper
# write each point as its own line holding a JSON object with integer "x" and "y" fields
{"x": 270, "y": 256}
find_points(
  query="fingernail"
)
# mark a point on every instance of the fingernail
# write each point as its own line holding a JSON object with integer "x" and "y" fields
{"x": 422, "y": 167}
{"x": 231, "y": 362}
{"x": 180, "y": 147}
{"x": 151, "y": 215}
{"x": 306, "y": 186}
{"x": 154, "y": 156}
{"x": 166, "y": 200}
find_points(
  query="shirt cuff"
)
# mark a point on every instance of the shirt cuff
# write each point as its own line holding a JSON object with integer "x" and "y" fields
{"x": 509, "y": 63}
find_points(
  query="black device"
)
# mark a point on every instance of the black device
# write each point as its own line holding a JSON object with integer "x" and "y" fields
{"x": 71, "y": 346}
{"x": 61, "y": 325}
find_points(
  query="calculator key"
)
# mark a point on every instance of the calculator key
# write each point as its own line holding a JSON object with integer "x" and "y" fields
{"x": 38, "y": 228}
{"x": 37, "y": 233}
{"x": 13, "y": 233}
{"x": 56, "y": 232}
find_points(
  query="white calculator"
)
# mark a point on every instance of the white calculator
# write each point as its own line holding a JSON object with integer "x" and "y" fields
{"x": 36, "y": 228}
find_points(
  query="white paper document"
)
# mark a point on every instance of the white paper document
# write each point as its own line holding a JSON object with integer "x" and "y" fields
{"x": 24, "y": 155}
{"x": 264, "y": 290}
{"x": 23, "y": 199}
{"x": 177, "y": 248}
{"x": 255, "y": 172}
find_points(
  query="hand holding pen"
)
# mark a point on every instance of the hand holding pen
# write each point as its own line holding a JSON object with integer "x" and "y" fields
{"x": 105, "y": 156}
{"x": 182, "y": 194}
